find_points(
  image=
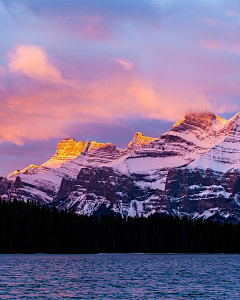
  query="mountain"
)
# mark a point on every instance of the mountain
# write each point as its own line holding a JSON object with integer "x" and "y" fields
{"x": 191, "y": 170}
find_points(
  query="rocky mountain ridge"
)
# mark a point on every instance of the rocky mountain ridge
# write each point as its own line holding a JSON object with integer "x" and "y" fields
{"x": 191, "y": 170}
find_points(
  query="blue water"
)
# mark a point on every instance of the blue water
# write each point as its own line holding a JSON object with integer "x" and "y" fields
{"x": 119, "y": 276}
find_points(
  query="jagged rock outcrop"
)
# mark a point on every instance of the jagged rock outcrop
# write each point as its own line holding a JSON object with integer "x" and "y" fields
{"x": 191, "y": 170}
{"x": 67, "y": 149}
{"x": 5, "y": 187}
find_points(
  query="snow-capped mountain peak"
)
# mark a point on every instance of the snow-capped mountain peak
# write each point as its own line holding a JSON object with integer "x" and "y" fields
{"x": 192, "y": 170}
{"x": 203, "y": 121}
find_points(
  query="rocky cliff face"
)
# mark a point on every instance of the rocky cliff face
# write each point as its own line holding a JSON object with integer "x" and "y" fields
{"x": 192, "y": 170}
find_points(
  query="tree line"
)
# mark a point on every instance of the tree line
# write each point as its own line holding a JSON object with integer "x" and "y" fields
{"x": 31, "y": 228}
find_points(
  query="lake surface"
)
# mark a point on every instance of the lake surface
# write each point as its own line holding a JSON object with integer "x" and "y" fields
{"x": 119, "y": 276}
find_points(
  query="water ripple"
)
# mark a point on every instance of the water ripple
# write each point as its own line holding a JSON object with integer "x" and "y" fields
{"x": 119, "y": 276}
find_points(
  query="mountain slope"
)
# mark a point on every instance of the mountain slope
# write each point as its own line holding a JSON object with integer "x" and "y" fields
{"x": 191, "y": 170}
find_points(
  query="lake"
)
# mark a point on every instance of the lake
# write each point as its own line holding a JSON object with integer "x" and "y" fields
{"x": 119, "y": 276}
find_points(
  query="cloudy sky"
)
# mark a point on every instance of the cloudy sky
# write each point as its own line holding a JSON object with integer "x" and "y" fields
{"x": 104, "y": 69}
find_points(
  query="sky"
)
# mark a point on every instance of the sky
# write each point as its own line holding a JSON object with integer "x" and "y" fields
{"x": 102, "y": 70}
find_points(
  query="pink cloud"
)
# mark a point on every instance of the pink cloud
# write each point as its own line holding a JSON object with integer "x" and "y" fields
{"x": 41, "y": 111}
{"x": 33, "y": 61}
{"x": 44, "y": 112}
{"x": 127, "y": 65}
{"x": 41, "y": 104}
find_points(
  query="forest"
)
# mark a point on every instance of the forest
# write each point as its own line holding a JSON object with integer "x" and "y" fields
{"x": 27, "y": 227}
